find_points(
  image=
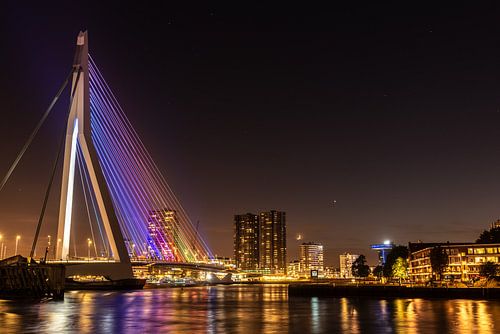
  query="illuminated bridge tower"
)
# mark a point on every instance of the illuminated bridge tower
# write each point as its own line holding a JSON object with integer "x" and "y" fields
{"x": 79, "y": 133}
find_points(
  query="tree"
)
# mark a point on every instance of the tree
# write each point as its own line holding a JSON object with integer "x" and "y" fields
{"x": 488, "y": 269}
{"x": 395, "y": 253}
{"x": 439, "y": 260}
{"x": 400, "y": 269}
{"x": 378, "y": 271}
{"x": 491, "y": 236}
{"x": 360, "y": 268}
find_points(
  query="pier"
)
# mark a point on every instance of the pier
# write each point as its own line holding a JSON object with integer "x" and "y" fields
{"x": 21, "y": 278}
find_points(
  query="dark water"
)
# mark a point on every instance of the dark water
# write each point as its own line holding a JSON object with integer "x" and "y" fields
{"x": 244, "y": 309}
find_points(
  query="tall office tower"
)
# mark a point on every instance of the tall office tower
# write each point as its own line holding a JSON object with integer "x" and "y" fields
{"x": 273, "y": 242}
{"x": 346, "y": 261}
{"x": 246, "y": 241}
{"x": 311, "y": 257}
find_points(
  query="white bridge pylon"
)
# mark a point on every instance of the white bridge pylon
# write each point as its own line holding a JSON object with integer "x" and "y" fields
{"x": 78, "y": 133}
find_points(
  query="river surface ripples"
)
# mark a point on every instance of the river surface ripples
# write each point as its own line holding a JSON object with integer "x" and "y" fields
{"x": 244, "y": 309}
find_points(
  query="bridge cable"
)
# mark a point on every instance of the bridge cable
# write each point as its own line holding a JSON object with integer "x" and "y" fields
{"x": 80, "y": 165}
{"x": 56, "y": 162}
{"x": 35, "y": 131}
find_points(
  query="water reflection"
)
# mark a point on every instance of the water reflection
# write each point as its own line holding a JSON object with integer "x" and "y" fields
{"x": 244, "y": 309}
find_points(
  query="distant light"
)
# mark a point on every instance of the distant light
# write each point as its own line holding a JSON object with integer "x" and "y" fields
{"x": 298, "y": 236}
{"x": 387, "y": 242}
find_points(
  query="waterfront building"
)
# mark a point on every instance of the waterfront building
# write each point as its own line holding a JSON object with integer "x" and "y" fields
{"x": 293, "y": 269}
{"x": 260, "y": 242}
{"x": 164, "y": 234}
{"x": 495, "y": 224}
{"x": 227, "y": 262}
{"x": 311, "y": 258}
{"x": 383, "y": 250}
{"x": 246, "y": 241}
{"x": 331, "y": 272}
{"x": 464, "y": 260}
{"x": 272, "y": 242}
{"x": 346, "y": 261}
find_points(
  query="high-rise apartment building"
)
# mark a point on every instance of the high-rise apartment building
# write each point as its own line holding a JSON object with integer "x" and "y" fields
{"x": 246, "y": 241}
{"x": 346, "y": 261}
{"x": 273, "y": 242}
{"x": 311, "y": 257}
{"x": 260, "y": 242}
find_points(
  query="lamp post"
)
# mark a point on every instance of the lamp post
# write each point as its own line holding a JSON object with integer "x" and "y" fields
{"x": 48, "y": 245}
{"x": 57, "y": 247}
{"x": 17, "y": 243}
{"x": 89, "y": 243}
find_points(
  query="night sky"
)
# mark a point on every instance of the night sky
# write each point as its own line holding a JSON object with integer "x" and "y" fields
{"x": 392, "y": 111}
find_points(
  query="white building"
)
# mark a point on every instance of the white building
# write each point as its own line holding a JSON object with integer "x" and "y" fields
{"x": 311, "y": 258}
{"x": 346, "y": 261}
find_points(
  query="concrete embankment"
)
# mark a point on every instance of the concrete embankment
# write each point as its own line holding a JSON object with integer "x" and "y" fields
{"x": 390, "y": 291}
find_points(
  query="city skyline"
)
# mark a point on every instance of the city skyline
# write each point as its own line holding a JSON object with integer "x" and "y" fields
{"x": 397, "y": 126}
{"x": 249, "y": 167}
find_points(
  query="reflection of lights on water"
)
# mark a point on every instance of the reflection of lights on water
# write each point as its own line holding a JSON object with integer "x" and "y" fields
{"x": 349, "y": 320}
{"x": 473, "y": 316}
{"x": 316, "y": 328}
{"x": 248, "y": 309}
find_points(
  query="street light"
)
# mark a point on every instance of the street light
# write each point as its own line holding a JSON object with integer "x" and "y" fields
{"x": 17, "y": 243}
{"x": 89, "y": 242}
{"x": 48, "y": 245}
{"x": 57, "y": 247}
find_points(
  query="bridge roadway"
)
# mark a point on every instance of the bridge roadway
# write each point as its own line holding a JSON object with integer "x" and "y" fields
{"x": 183, "y": 265}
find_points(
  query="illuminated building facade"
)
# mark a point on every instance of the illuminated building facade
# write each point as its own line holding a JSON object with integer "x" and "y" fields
{"x": 246, "y": 241}
{"x": 293, "y": 269}
{"x": 495, "y": 224}
{"x": 227, "y": 262}
{"x": 272, "y": 242}
{"x": 346, "y": 261}
{"x": 164, "y": 235}
{"x": 464, "y": 260}
{"x": 311, "y": 258}
{"x": 382, "y": 250}
{"x": 260, "y": 242}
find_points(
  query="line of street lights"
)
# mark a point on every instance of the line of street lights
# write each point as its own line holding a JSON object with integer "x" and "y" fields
{"x": 3, "y": 246}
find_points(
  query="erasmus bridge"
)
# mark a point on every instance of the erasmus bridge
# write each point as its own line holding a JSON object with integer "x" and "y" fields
{"x": 132, "y": 212}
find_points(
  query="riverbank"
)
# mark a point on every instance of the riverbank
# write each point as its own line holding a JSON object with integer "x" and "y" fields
{"x": 390, "y": 291}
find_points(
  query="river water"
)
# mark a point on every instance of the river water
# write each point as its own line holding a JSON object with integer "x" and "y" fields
{"x": 244, "y": 309}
